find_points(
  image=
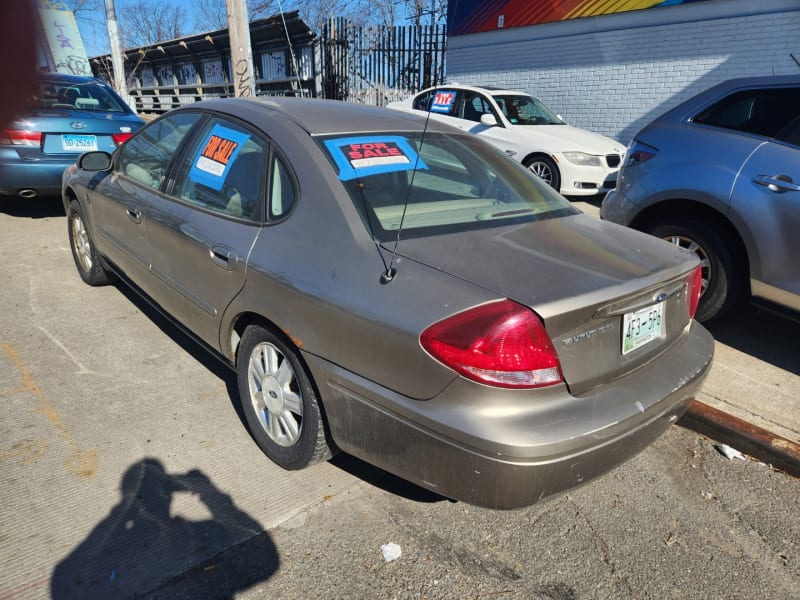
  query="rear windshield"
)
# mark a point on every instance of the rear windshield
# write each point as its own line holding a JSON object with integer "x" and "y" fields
{"x": 449, "y": 183}
{"x": 58, "y": 95}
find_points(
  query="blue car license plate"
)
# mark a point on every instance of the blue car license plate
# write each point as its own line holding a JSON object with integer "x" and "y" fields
{"x": 642, "y": 326}
{"x": 78, "y": 143}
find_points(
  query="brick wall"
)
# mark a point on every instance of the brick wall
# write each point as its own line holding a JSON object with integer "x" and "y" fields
{"x": 616, "y": 73}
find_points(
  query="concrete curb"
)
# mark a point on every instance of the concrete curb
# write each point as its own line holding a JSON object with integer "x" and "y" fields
{"x": 759, "y": 443}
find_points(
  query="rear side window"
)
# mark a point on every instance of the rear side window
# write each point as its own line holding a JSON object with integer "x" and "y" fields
{"x": 762, "y": 112}
{"x": 282, "y": 192}
{"x": 423, "y": 101}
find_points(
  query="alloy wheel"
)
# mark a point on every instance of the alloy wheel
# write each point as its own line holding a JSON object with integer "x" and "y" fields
{"x": 80, "y": 241}
{"x": 275, "y": 394}
{"x": 542, "y": 171}
{"x": 692, "y": 246}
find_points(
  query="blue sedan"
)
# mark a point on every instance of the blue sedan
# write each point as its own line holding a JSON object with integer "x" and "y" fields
{"x": 66, "y": 115}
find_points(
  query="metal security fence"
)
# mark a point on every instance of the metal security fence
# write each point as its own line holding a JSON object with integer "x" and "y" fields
{"x": 375, "y": 65}
{"x": 368, "y": 65}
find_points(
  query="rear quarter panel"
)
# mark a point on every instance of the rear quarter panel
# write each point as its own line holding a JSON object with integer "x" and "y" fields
{"x": 693, "y": 163}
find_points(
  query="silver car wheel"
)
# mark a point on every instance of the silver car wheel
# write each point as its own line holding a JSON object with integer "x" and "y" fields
{"x": 697, "y": 249}
{"x": 80, "y": 241}
{"x": 545, "y": 169}
{"x": 542, "y": 171}
{"x": 275, "y": 394}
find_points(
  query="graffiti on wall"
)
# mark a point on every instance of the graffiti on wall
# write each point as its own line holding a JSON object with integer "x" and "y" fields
{"x": 62, "y": 40}
{"x": 474, "y": 16}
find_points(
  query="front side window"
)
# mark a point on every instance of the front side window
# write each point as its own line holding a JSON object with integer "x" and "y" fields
{"x": 145, "y": 157}
{"x": 472, "y": 105}
{"x": 762, "y": 111}
{"x": 791, "y": 134}
{"x": 443, "y": 183}
{"x": 223, "y": 171}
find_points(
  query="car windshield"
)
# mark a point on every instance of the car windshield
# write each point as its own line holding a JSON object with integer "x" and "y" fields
{"x": 446, "y": 184}
{"x": 65, "y": 95}
{"x": 526, "y": 110}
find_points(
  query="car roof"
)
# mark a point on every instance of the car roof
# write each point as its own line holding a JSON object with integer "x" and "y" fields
{"x": 328, "y": 117}
{"x": 476, "y": 88}
{"x": 764, "y": 80}
{"x": 65, "y": 78}
{"x": 688, "y": 108}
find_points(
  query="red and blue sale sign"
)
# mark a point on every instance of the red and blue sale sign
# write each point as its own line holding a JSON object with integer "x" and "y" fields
{"x": 443, "y": 101}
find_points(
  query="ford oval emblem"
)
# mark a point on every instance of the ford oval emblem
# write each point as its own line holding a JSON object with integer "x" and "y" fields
{"x": 661, "y": 297}
{"x": 78, "y": 125}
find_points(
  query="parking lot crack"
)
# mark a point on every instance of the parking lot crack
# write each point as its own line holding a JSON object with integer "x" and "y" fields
{"x": 603, "y": 548}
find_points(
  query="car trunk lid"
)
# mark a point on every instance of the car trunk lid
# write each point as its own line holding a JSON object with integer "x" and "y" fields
{"x": 71, "y": 132}
{"x": 582, "y": 276}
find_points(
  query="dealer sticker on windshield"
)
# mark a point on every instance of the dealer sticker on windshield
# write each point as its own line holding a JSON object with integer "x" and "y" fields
{"x": 364, "y": 156}
{"x": 642, "y": 326}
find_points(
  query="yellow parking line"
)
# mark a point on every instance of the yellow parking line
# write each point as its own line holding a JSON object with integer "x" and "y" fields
{"x": 82, "y": 463}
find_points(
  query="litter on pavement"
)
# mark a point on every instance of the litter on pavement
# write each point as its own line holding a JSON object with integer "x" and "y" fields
{"x": 729, "y": 453}
{"x": 391, "y": 551}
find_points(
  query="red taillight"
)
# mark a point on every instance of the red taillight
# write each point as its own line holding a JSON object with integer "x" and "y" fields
{"x": 121, "y": 138}
{"x": 501, "y": 344}
{"x": 639, "y": 153}
{"x": 20, "y": 137}
{"x": 694, "y": 285}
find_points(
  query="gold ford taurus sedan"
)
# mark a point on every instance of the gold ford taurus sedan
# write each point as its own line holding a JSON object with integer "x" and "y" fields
{"x": 396, "y": 289}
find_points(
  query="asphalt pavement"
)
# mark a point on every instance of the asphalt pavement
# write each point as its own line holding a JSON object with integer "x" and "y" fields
{"x": 127, "y": 471}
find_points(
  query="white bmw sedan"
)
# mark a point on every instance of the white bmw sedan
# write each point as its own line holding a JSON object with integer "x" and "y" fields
{"x": 573, "y": 161}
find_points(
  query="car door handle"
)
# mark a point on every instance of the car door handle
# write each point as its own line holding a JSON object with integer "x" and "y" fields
{"x": 134, "y": 214}
{"x": 777, "y": 183}
{"x": 224, "y": 257}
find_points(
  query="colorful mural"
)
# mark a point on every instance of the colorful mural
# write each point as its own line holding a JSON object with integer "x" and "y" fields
{"x": 474, "y": 16}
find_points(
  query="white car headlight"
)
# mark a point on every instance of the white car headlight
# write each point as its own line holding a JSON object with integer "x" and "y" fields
{"x": 583, "y": 159}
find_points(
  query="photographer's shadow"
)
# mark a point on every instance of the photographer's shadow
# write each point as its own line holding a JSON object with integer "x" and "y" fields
{"x": 140, "y": 548}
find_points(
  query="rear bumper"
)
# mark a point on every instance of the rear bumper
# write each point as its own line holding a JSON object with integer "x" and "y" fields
{"x": 617, "y": 208}
{"x": 42, "y": 176}
{"x": 508, "y": 449}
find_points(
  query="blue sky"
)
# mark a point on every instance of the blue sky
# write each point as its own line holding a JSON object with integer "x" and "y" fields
{"x": 94, "y": 32}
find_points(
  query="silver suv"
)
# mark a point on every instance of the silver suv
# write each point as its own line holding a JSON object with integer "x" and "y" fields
{"x": 720, "y": 175}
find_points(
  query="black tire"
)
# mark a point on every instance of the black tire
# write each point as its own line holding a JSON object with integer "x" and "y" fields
{"x": 87, "y": 258}
{"x": 723, "y": 284}
{"x": 280, "y": 401}
{"x": 545, "y": 169}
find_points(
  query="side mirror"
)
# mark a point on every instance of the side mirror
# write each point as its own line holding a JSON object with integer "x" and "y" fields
{"x": 95, "y": 161}
{"x": 488, "y": 120}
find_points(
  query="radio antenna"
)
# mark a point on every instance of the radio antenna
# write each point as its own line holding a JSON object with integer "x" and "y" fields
{"x": 390, "y": 271}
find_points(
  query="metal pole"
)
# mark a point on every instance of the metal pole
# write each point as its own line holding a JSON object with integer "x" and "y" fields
{"x": 241, "y": 51}
{"x": 116, "y": 52}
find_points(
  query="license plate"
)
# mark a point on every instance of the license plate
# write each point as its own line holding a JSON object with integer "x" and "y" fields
{"x": 78, "y": 143}
{"x": 641, "y": 327}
